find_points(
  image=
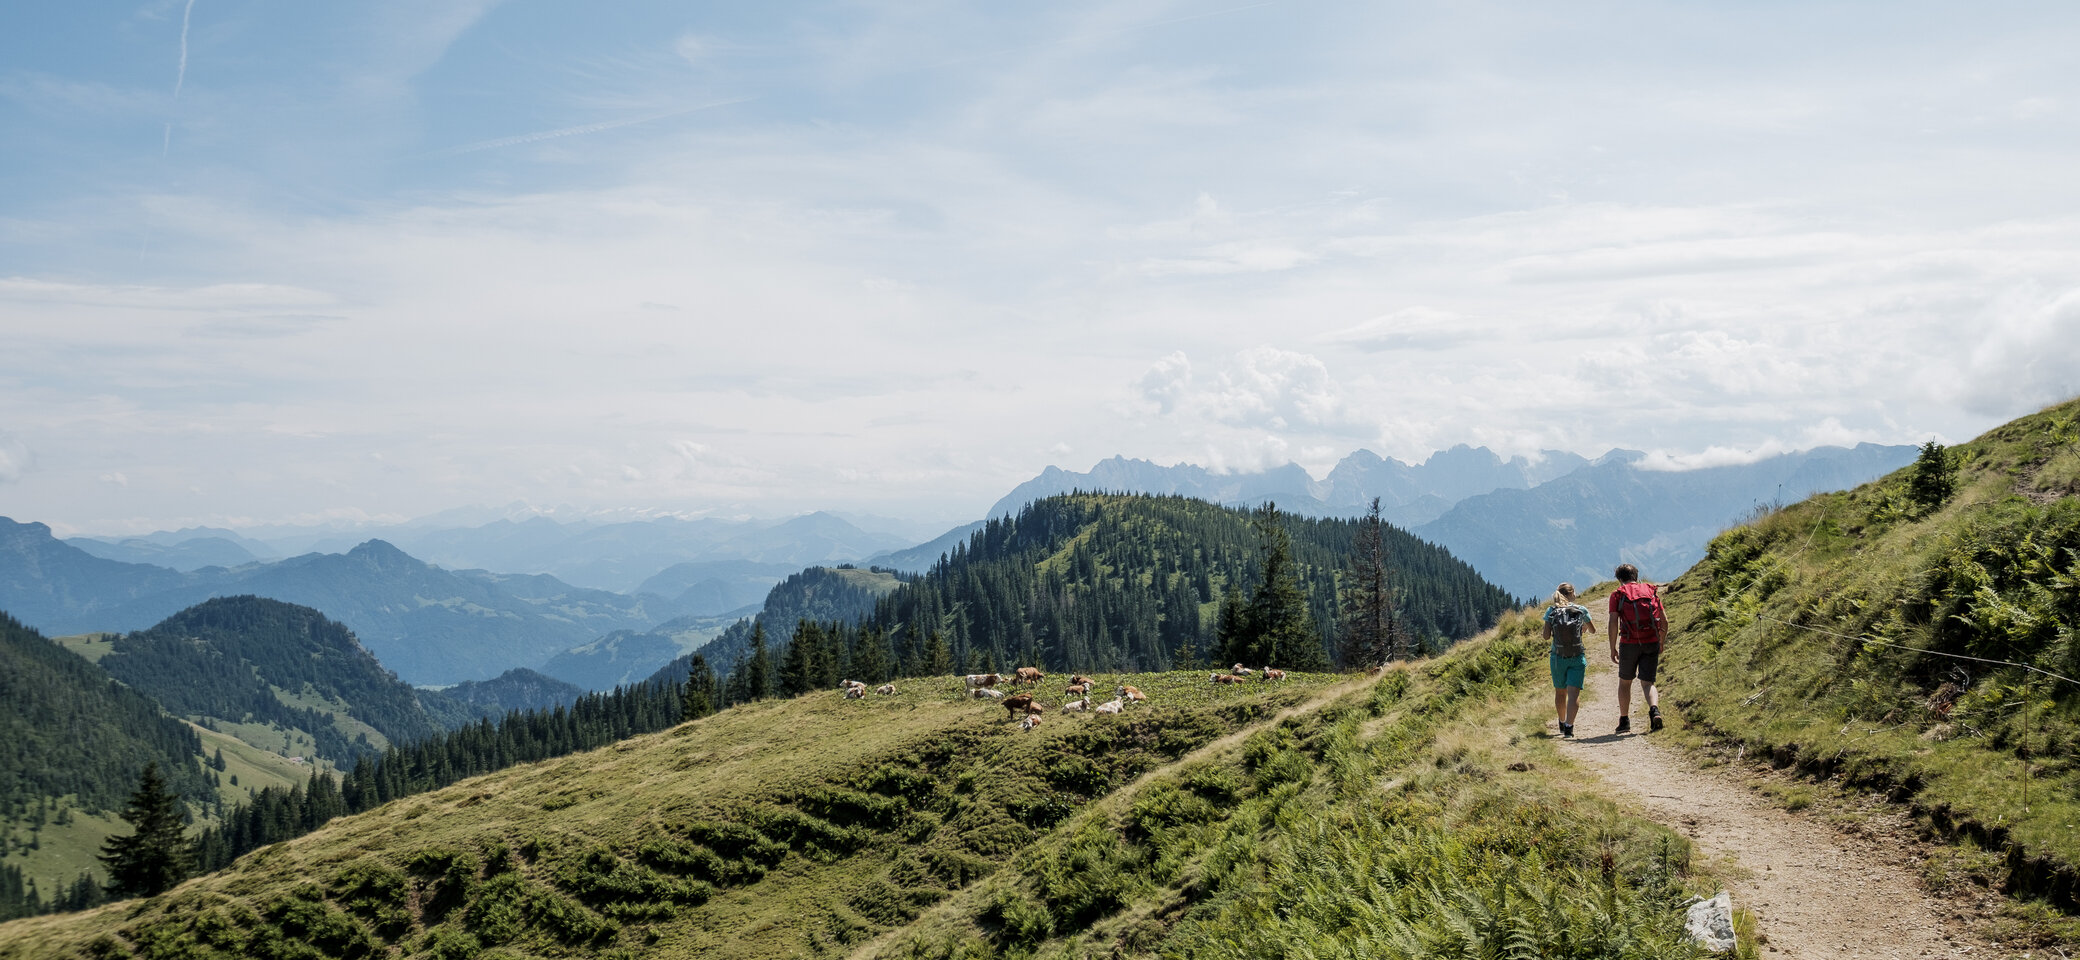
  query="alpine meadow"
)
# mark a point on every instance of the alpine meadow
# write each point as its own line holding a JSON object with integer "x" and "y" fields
{"x": 1084, "y": 480}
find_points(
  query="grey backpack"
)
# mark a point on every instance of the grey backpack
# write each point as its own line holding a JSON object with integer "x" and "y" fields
{"x": 1568, "y": 623}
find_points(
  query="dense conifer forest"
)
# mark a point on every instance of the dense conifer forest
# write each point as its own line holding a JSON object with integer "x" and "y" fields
{"x": 225, "y": 657}
{"x": 69, "y": 730}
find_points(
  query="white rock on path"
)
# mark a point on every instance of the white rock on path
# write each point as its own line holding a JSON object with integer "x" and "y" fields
{"x": 1710, "y": 923}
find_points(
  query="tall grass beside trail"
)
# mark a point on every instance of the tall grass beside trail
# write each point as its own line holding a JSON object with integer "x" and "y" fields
{"x": 1368, "y": 828}
{"x": 1926, "y": 650}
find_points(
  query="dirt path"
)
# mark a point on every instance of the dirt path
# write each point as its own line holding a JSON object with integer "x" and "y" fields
{"x": 1819, "y": 892}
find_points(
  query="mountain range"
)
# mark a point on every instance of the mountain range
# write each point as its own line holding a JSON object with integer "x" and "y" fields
{"x": 1408, "y": 493}
{"x": 1525, "y": 524}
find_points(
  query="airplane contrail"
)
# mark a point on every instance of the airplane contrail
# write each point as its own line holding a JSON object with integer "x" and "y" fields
{"x": 574, "y": 131}
{"x": 181, "y": 74}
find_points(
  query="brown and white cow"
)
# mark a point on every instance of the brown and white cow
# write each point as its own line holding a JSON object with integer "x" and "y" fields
{"x": 1018, "y": 704}
{"x": 1270, "y": 674}
{"x": 1029, "y": 723}
{"x": 1131, "y": 694}
{"x": 1241, "y": 671}
{"x": 886, "y": 689}
{"x": 1113, "y": 705}
{"x": 1224, "y": 678}
{"x": 1076, "y": 690}
{"x": 983, "y": 680}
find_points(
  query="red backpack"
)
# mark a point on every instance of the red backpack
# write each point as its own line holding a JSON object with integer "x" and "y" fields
{"x": 1637, "y": 608}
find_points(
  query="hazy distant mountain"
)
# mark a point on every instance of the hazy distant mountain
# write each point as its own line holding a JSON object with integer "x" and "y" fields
{"x": 920, "y": 558}
{"x": 710, "y": 587}
{"x": 515, "y": 689}
{"x": 1409, "y": 494}
{"x": 185, "y": 556}
{"x": 621, "y": 556}
{"x": 619, "y": 658}
{"x": 58, "y": 588}
{"x": 1580, "y": 526}
{"x": 430, "y": 625}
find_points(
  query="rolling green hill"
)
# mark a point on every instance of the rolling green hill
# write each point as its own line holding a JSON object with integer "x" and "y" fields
{"x": 1926, "y": 647}
{"x": 1350, "y": 816}
{"x": 1128, "y": 582}
{"x": 248, "y": 660}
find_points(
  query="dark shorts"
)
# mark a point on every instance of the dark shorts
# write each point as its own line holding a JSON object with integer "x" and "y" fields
{"x": 1638, "y": 659}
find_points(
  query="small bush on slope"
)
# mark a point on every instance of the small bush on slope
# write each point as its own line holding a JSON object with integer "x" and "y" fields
{"x": 1834, "y": 635}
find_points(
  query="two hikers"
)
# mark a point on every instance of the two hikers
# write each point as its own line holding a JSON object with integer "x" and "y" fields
{"x": 1635, "y": 628}
{"x": 1567, "y": 622}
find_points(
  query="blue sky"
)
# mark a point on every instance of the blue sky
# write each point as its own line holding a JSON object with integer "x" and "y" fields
{"x": 267, "y": 263}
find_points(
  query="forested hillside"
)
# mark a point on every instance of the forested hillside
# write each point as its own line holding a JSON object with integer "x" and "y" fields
{"x": 818, "y": 595}
{"x": 1915, "y": 635}
{"x": 68, "y": 730}
{"x": 1346, "y": 820}
{"x": 1129, "y": 582}
{"x": 249, "y": 659}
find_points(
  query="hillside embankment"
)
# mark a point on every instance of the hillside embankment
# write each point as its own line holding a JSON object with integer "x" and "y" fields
{"x": 1823, "y": 882}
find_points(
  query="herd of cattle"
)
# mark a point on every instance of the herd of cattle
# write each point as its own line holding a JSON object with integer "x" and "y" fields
{"x": 983, "y": 686}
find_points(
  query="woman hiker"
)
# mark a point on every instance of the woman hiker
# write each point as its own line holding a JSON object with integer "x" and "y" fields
{"x": 1566, "y": 623}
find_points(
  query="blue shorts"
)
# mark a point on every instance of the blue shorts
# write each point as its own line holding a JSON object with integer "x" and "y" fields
{"x": 1568, "y": 672}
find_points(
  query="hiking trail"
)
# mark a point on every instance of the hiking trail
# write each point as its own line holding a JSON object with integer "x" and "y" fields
{"x": 1817, "y": 891}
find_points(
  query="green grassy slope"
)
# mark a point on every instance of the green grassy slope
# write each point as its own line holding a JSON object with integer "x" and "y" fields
{"x": 1340, "y": 813}
{"x": 1857, "y": 636}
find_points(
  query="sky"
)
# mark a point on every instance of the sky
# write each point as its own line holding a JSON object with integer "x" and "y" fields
{"x": 267, "y": 263}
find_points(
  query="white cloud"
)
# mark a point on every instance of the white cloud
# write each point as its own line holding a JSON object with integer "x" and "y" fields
{"x": 15, "y": 459}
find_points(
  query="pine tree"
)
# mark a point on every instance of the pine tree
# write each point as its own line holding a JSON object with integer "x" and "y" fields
{"x": 155, "y": 857}
{"x": 1372, "y": 633}
{"x": 758, "y": 672}
{"x": 1277, "y": 627}
{"x": 1935, "y": 476}
{"x": 699, "y": 699}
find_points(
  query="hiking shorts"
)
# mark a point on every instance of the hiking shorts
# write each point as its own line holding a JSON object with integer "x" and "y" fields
{"x": 1568, "y": 671}
{"x": 1638, "y": 659}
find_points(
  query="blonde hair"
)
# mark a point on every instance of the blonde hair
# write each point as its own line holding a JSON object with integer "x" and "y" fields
{"x": 1564, "y": 595}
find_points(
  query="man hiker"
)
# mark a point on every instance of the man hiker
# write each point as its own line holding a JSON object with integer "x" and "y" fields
{"x": 1636, "y": 628}
{"x": 1567, "y": 624}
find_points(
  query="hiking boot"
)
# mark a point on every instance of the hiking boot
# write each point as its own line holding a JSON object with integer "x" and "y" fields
{"x": 1567, "y": 731}
{"x": 1624, "y": 724}
{"x": 1654, "y": 720}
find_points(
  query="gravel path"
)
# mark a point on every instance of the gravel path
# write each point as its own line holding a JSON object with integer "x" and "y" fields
{"x": 1819, "y": 892}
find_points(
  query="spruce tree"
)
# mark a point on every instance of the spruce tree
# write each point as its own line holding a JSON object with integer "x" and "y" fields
{"x": 1372, "y": 634}
{"x": 758, "y": 671}
{"x": 1278, "y": 628}
{"x": 699, "y": 698}
{"x": 1935, "y": 477}
{"x": 155, "y": 857}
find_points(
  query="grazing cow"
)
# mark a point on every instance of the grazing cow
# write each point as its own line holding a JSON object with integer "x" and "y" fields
{"x": 1270, "y": 674}
{"x": 886, "y": 689}
{"x": 983, "y": 680}
{"x": 1030, "y": 675}
{"x": 1086, "y": 681}
{"x": 1113, "y": 705}
{"x": 1083, "y": 704}
{"x": 982, "y": 692}
{"x": 1223, "y": 678}
{"x": 1077, "y": 690}
{"x": 1131, "y": 694}
{"x": 1029, "y": 723}
{"x": 1242, "y": 671}
{"x": 1017, "y": 705}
